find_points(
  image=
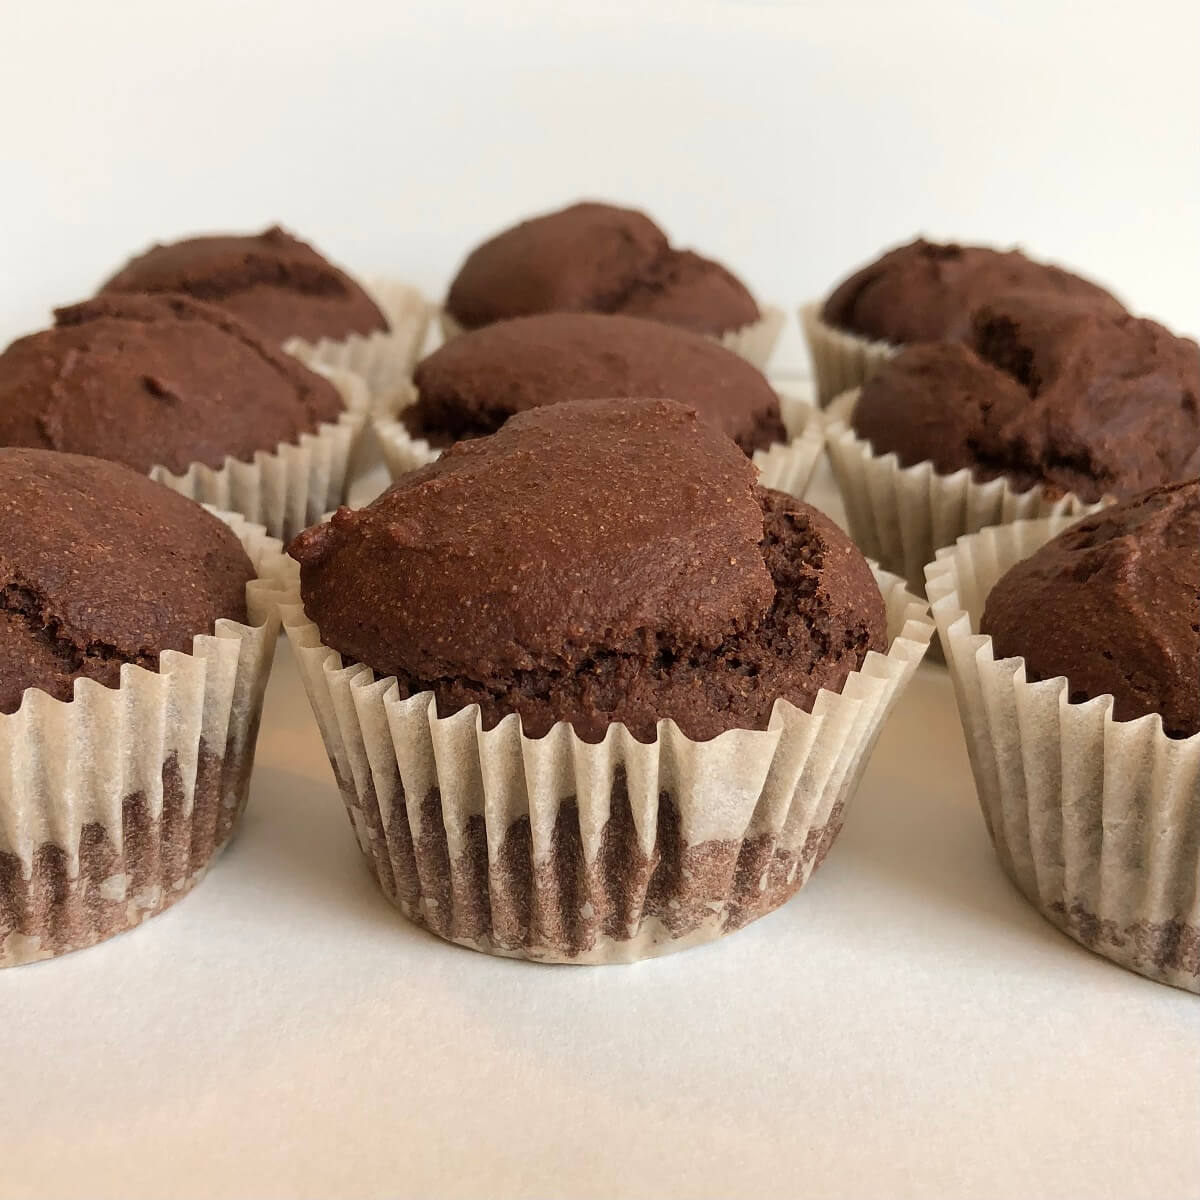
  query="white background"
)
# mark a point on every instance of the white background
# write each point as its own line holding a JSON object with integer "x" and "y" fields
{"x": 792, "y": 140}
{"x": 908, "y": 1027}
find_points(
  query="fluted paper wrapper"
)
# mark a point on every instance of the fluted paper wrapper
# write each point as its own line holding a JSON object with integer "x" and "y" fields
{"x": 384, "y": 360}
{"x": 1096, "y": 821}
{"x": 841, "y": 361}
{"x": 901, "y": 516}
{"x": 113, "y": 805}
{"x": 787, "y": 466}
{"x": 289, "y": 488}
{"x": 559, "y": 850}
{"x": 755, "y": 342}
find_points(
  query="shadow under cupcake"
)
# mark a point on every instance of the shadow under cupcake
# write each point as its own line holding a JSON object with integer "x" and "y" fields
{"x": 589, "y": 692}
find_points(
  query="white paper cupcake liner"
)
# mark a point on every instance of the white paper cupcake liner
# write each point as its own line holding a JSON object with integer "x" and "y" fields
{"x": 1096, "y": 821}
{"x": 900, "y": 516}
{"x": 754, "y": 342}
{"x": 383, "y": 360}
{"x": 113, "y": 805}
{"x": 563, "y": 851}
{"x": 289, "y": 488}
{"x": 787, "y": 466}
{"x": 841, "y": 361}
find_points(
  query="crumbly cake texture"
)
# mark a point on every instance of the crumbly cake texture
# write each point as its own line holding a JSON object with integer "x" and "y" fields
{"x": 100, "y": 566}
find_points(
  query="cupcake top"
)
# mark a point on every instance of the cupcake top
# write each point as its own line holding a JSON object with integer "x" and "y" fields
{"x": 474, "y": 383}
{"x": 596, "y": 258}
{"x": 1113, "y": 604}
{"x": 277, "y": 284}
{"x": 1075, "y": 399}
{"x": 100, "y": 566}
{"x": 926, "y": 292}
{"x": 595, "y": 561}
{"x": 156, "y": 381}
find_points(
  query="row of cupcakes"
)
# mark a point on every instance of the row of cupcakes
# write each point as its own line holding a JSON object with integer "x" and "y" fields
{"x": 758, "y": 423}
{"x": 1002, "y": 387}
{"x": 590, "y": 692}
{"x": 177, "y": 366}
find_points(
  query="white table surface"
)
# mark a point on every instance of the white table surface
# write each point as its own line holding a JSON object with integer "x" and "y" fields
{"x": 906, "y": 1027}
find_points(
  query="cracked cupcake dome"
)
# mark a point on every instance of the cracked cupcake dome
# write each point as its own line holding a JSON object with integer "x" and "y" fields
{"x": 1113, "y": 604}
{"x": 101, "y": 566}
{"x": 597, "y": 258}
{"x": 156, "y": 381}
{"x": 594, "y": 562}
{"x": 280, "y": 286}
{"x": 927, "y": 292}
{"x": 1079, "y": 400}
{"x": 474, "y": 383}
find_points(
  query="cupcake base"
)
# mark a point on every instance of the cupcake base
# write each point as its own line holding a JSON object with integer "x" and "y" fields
{"x": 123, "y": 876}
{"x": 623, "y": 906}
{"x": 1096, "y": 821}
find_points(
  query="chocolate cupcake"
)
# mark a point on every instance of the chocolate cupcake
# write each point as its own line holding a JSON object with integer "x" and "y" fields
{"x": 1048, "y": 408}
{"x": 187, "y": 393}
{"x": 474, "y": 383}
{"x": 596, "y": 602}
{"x": 131, "y": 680}
{"x": 1080, "y": 696}
{"x": 288, "y": 293}
{"x": 599, "y": 258}
{"x": 1113, "y": 605}
{"x": 924, "y": 292}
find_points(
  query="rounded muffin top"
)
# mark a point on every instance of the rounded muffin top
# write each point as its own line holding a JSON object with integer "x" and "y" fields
{"x": 927, "y": 292}
{"x": 596, "y": 258}
{"x": 595, "y": 561}
{"x": 1078, "y": 400}
{"x": 274, "y": 282}
{"x": 156, "y": 381}
{"x": 1113, "y": 604}
{"x": 101, "y": 566}
{"x": 474, "y": 383}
